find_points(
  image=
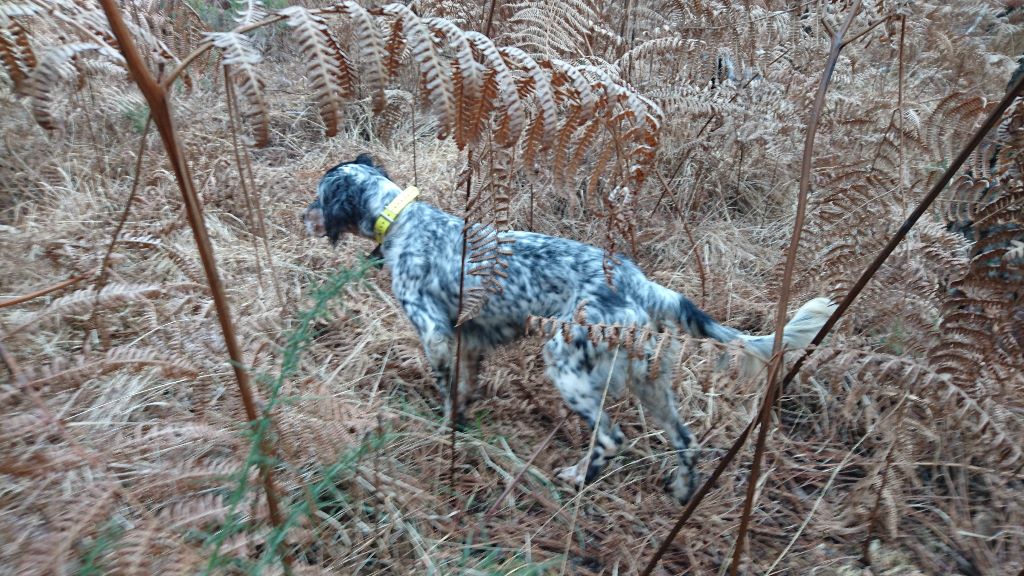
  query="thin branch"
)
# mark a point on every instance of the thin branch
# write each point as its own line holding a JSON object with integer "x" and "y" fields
{"x": 772, "y": 388}
{"x": 156, "y": 97}
{"x": 696, "y": 249}
{"x": 43, "y": 291}
{"x": 869, "y": 28}
{"x": 453, "y": 387}
{"x": 529, "y": 462}
{"x": 925, "y": 203}
{"x": 101, "y": 281}
{"x": 490, "y": 18}
{"x": 832, "y": 478}
{"x": 243, "y": 182}
{"x": 698, "y": 497}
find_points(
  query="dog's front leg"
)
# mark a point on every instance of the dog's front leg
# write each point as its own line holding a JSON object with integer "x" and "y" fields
{"x": 437, "y": 337}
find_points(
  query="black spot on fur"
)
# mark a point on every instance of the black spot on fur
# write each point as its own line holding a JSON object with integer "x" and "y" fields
{"x": 365, "y": 159}
{"x": 684, "y": 436}
{"x": 698, "y": 322}
{"x": 594, "y": 468}
{"x": 607, "y": 299}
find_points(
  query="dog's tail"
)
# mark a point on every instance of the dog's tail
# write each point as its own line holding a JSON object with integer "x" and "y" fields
{"x": 798, "y": 333}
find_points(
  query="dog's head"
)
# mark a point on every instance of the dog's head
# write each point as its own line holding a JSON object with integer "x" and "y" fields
{"x": 347, "y": 200}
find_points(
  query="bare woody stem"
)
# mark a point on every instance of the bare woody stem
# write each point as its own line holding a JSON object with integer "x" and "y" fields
{"x": 43, "y": 292}
{"x": 922, "y": 207}
{"x": 772, "y": 387}
{"x": 156, "y": 97}
{"x": 919, "y": 211}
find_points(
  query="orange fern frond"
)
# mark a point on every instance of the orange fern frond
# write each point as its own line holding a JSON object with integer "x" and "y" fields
{"x": 16, "y": 53}
{"x": 56, "y": 66}
{"x": 371, "y": 52}
{"x": 327, "y": 65}
{"x": 512, "y": 114}
{"x": 467, "y": 76}
{"x": 432, "y": 68}
{"x": 240, "y": 59}
{"x": 537, "y": 84}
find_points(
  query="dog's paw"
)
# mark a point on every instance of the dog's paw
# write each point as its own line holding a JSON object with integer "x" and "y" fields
{"x": 572, "y": 475}
{"x": 682, "y": 484}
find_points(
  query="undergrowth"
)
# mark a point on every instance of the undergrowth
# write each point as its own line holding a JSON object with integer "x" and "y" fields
{"x": 670, "y": 132}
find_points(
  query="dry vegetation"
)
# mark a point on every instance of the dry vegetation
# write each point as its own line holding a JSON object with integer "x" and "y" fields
{"x": 669, "y": 130}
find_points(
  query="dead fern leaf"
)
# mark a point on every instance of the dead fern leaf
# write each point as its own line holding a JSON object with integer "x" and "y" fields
{"x": 433, "y": 71}
{"x": 73, "y": 372}
{"x": 327, "y": 65}
{"x": 396, "y": 109}
{"x": 467, "y": 77}
{"x": 187, "y": 265}
{"x": 57, "y": 67}
{"x": 247, "y": 12}
{"x": 371, "y": 50}
{"x": 194, "y": 512}
{"x": 541, "y": 133}
{"x": 672, "y": 46}
{"x": 240, "y": 59}
{"x": 512, "y": 115}
{"x": 570, "y": 80}
{"x": 16, "y": 53}
{"x": 113, "y": 294}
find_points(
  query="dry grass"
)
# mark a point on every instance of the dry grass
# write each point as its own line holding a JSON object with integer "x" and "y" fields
{"x": 123, "y": 445}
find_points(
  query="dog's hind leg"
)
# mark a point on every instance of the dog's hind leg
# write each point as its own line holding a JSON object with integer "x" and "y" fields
{"x": 469, "y": 371}
{"x": 580, "y": 374}
{"x": 659, "y": 402}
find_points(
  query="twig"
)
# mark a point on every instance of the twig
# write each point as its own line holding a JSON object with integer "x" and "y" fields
{"x": 871, "y": 27}
{"x": 453, "y": 387}
{"x": 824, "y": 490}
{"x": 601, "y": 417}
{"x": 529, "y": 462}
{"x": 43, "y": 291}
{"x": 156, "y": 97}
{"x": 250, "y": 211}
{"x": 696, "y": 249}
{"x": 698, "y": 497}
{"x": 922, "y": 207}
{"x": 490, "y": 18}
{"x": 886, "y": 467}
{"x": 101, "y": 281}
{"x": 772, "y": 388}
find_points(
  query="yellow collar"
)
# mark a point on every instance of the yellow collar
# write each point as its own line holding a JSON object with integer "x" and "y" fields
{"x": 384, "y": 221}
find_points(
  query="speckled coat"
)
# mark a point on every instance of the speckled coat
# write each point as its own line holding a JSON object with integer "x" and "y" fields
{"x": 548, "y": 277}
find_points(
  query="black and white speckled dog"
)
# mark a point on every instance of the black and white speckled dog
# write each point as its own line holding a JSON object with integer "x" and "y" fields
{"x": 548, "y": 277}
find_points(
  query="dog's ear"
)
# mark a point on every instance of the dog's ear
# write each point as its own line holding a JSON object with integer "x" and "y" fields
{"x": 367, "y": 160}
{"x": 339, "y": 199}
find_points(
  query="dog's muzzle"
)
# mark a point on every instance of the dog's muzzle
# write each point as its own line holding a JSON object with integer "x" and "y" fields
{"x": 313, "y": 218}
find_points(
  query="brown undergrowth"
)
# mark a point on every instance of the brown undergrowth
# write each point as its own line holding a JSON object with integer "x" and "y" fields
{"x": 667, "y": 130}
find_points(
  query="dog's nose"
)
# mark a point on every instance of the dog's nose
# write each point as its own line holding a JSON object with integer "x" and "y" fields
{"x": 313, "y": 219}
